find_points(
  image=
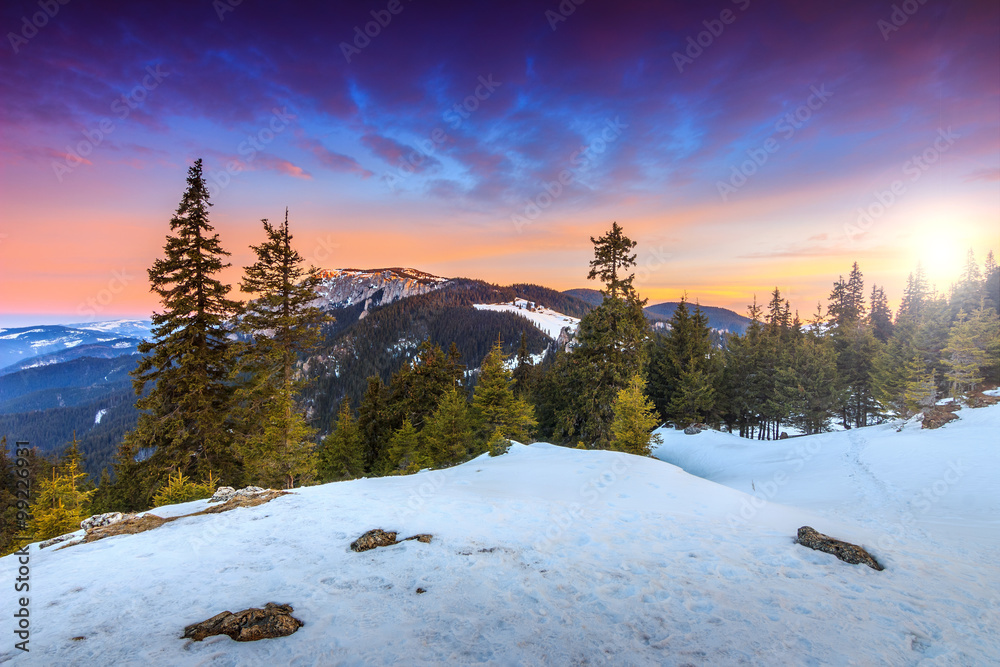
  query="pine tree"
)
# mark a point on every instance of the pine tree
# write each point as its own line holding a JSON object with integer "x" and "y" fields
{"x": 62, "y": 502}
{"x": 280, "y": 324}
{"x": 523, "y": 375}
{"x": 417, "y": 388}
{"x": 915, "y": 295}
{"x": 634, "y": 420}
{"x": 181, "y": 379}
{"x": 10, "y": 524}
{"x": 611, "y": 259}
{"x": 693, "y": 399}
{"x": 447, "y": 435}
{"x": 373, "y": 424}
{"x": 405, "y": 454}
{"x": 880, "y": 317}
{"x": 494, "y": 405}
{"x": 921, "y": 389}
{"x": 963, "y": 357}
{"x": 341, "y": 455}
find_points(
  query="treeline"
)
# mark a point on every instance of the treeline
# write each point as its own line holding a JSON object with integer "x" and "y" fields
{"x": 220, "y": 384}
{"x": 854, "y": 363}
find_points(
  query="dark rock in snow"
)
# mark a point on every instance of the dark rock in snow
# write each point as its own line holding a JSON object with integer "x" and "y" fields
{"x": 981, "y": 400}
{"x": 845, "y": 551}
{"x": 249, "y": 625}
{"x": 380, "y": 538}
{"x": 372, "y": 539}
{"x": 937, "y": 416}
{"x": 694, "y": 429}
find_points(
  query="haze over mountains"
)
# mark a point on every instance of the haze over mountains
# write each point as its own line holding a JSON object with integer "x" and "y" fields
{"x": 59, "y": 379}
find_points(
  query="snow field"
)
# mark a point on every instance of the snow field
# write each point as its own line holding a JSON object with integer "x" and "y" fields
{"x": 549, "y": 555}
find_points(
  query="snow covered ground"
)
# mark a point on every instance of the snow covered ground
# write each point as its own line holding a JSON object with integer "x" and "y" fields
{"x": 558, "y": 556}
{"x": 549, "y": 321}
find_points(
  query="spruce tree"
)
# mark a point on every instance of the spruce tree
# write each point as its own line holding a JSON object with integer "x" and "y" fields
{"x": 921, "y": 389}
{"x": 963, "y": 357}
{"x": 880, "y": 317}
{"x": 494, "y": 405}
{"x": 373, "y": 424}
{"x": 63, "y": 501}
{"x": 447, "y": 435}
{"x": 341, "y": 455}
{"x": 523, "y": 375}
{"x": 611, "y": 259}
{"x": 181, "y": 380}
{"x": 634, "y": 420}
{"x": 405, "y": 454}
{"x": 279, "y": 325}
{"x": 10, "y": 526}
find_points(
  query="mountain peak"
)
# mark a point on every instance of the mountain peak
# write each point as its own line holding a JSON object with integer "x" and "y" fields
{"x": 343, "y": 288}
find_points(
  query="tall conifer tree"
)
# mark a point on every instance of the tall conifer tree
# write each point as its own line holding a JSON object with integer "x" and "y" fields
{"x": 182, "y": 378}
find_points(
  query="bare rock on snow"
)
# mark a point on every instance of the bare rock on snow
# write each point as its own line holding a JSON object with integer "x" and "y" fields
{"x": 372, "y": 539}
{"x": 224, "y": 493}
{"x": 56, "y": 540}
{"x": 380, "y": 538}
{"x": 249, "y": 625}
{"x": 101, "y": 520}
{"x": 937, "y": 416}
{"x": 694, "y": 429}
{"x": 981, "y": 400}
{"x": 845, "y": 551}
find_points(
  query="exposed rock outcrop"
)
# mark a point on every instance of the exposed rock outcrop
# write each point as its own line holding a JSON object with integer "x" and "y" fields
{"x": 224, "y": 493}
{"x": 249, "y": 625}
{"x": 845, "y": 551}
{"x": 373, "y": 287}
{"x": 100, "y": 520}
{"x": 937, "y": 416}
{"x": 694, "y": 429}
{"x": 380, "y": 538}
{"x": 372, "y": 539}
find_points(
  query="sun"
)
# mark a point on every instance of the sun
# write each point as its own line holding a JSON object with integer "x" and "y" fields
{"x": 941, "y": 250}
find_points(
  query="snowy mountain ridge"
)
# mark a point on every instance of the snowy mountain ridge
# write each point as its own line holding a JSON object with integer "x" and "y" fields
{"x": 374, "y": 287}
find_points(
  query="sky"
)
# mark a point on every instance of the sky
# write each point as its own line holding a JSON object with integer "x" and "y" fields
{"x": 744, "y": 145}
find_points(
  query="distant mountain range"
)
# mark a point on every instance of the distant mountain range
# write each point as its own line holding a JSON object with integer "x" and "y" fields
{"x": 57, "y": 379}
{"x": 26, "y": 347}
{"x": 720, "y": 319}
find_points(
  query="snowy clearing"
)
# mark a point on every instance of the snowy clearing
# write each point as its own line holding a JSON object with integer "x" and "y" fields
{"x": 548, "y": 321}
{"x": 558, "y": 556}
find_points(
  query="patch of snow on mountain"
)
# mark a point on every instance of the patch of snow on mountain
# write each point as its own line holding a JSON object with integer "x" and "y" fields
{"x": 100, "y": 414}
{"x": 548, "y": 321}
